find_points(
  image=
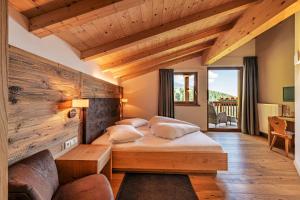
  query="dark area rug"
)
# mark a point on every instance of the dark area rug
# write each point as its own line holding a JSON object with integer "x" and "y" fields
{"x": 138, "y": 186}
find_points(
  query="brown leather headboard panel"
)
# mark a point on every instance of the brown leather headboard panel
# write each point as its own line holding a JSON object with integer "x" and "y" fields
{"x": 102, "y": 113}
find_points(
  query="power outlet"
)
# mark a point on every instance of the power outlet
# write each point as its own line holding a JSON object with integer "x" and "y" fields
{"x": 71, "y": 142}
{"x": 74, "y": 141}
{"x": 67, "y": 144}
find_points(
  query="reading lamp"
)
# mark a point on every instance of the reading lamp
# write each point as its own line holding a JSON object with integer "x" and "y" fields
{"x": 83, "y": 104}
{"x": 123, "y": 102}
{"x": 78, "y": 103}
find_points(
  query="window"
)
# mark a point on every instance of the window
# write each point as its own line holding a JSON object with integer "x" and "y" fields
{"x": 185, "y": 88}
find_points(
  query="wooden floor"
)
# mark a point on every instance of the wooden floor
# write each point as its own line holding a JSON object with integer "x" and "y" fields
{"x": 254, "y": 172}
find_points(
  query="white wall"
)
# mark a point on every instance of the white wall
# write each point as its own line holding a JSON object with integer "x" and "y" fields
{"x": 297, "y": 94}
{"x": 142, "y": 92}
{"x": 275, "y": 53}
{"x": 194, "y": 114}
{"x": 51, "y": 47}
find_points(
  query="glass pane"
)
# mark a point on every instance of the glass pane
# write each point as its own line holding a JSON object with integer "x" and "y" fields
{"x": 191, "y": 87}
{"x": 182, "y": 92}
{"x": 223, "y": 104}
{"x": 179, "y": 92}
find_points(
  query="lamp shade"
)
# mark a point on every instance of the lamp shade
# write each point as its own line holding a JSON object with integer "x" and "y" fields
{"x": 80, "y": 103}
{"x": 124, "y": 100}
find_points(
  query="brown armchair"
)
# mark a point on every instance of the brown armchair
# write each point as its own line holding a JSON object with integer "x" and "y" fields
{"x": 36, "y": 178}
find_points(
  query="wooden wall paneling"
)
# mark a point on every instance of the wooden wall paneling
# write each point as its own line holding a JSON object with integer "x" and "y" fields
{"x": 253, "y": 22}
{"x": 3, "y": 98}
{"x": 36, "y": 87}
{"x": 96, "y": 88}
{"x": 120, "y": 44}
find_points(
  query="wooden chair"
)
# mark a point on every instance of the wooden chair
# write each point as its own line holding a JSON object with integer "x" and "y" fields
{"x": 279, "y": 130}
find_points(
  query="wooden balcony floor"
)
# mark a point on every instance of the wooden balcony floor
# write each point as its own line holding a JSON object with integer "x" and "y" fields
{"x": 254, "y": 172}
{"x": 224, "y": 126}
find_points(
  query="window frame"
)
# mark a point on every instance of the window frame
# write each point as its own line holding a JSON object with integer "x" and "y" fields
{"x": 188, "y": 103}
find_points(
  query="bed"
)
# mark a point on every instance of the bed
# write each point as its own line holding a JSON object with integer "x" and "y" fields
{"x": 192, "y": 153}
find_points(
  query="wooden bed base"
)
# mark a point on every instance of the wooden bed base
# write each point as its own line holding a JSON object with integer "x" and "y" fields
{"x": 169, "y": 162}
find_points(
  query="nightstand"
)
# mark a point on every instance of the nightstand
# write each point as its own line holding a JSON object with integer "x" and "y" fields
{"x": 84, "y": 160}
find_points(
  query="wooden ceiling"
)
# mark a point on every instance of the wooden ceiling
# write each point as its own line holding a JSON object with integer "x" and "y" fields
{"x": 133, "y": 37}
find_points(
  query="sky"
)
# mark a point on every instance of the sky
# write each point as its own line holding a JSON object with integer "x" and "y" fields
{"x": 179, "y": 81}
{"x": 225, "y": 81}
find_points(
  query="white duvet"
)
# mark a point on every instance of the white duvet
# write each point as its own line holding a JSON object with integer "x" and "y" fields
{"x": 194, "y": 142}
{"x": 173, "y": 130}
{"x": 160, "y": 119}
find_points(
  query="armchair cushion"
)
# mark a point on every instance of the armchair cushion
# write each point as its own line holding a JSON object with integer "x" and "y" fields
{"x": 34, "y": 178}
{"x": 91, "y": 187}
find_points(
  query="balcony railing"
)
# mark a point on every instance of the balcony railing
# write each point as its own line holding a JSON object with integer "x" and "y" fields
{"x": 229, "y": 106}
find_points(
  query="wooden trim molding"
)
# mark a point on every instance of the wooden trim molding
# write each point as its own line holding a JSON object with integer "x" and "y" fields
{"x": 3, "y": 99}
{"x": 120, "y": 44}
{"x": 253, "y": 22}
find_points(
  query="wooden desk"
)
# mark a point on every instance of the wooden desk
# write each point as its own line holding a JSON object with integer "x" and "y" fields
{"x": 84, "y": 160}
{"x": 290, "y": 127}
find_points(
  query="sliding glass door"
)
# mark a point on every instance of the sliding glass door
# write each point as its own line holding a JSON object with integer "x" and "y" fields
{"x": 224, "y": 99}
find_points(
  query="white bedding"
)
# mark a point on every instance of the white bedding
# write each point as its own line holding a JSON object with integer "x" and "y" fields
{"x": 196, "y": 141}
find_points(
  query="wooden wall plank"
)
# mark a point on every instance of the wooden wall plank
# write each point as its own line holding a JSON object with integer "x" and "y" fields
{"x": 3, "y": 98}
{"x": 36, "y": 87}
{"x": 96, "y": 88}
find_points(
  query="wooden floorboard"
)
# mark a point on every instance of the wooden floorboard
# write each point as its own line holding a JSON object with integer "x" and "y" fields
{"x": 255, "y": 172}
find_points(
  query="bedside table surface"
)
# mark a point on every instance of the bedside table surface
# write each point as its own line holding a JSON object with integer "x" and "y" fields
{"x": 84, "y": 160}
{"x": 86, "y": 152}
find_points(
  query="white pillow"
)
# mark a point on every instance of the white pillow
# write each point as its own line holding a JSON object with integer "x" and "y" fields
{"x": 161, "y": 119}
{"x": 136, "y": 122}
{"x": 123, "y": 134}
{"x": 173, "y": 130}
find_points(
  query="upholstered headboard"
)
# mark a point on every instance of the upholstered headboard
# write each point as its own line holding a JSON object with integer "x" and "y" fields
{"x": 102, "y": 113}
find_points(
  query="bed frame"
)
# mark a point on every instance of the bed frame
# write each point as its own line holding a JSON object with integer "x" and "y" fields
{"x": 145, "y": 161}
{"x": 169, "y": 162}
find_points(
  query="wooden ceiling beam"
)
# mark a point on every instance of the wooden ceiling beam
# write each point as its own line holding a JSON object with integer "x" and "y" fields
{"x": 142, "y": 66}
{"x": 253, "y": 22}
{"x": 76, "y": 14}
{"x": 209, "y": 32}
{"x": 160, "y": 66}
{"x": 122, "y": 43}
